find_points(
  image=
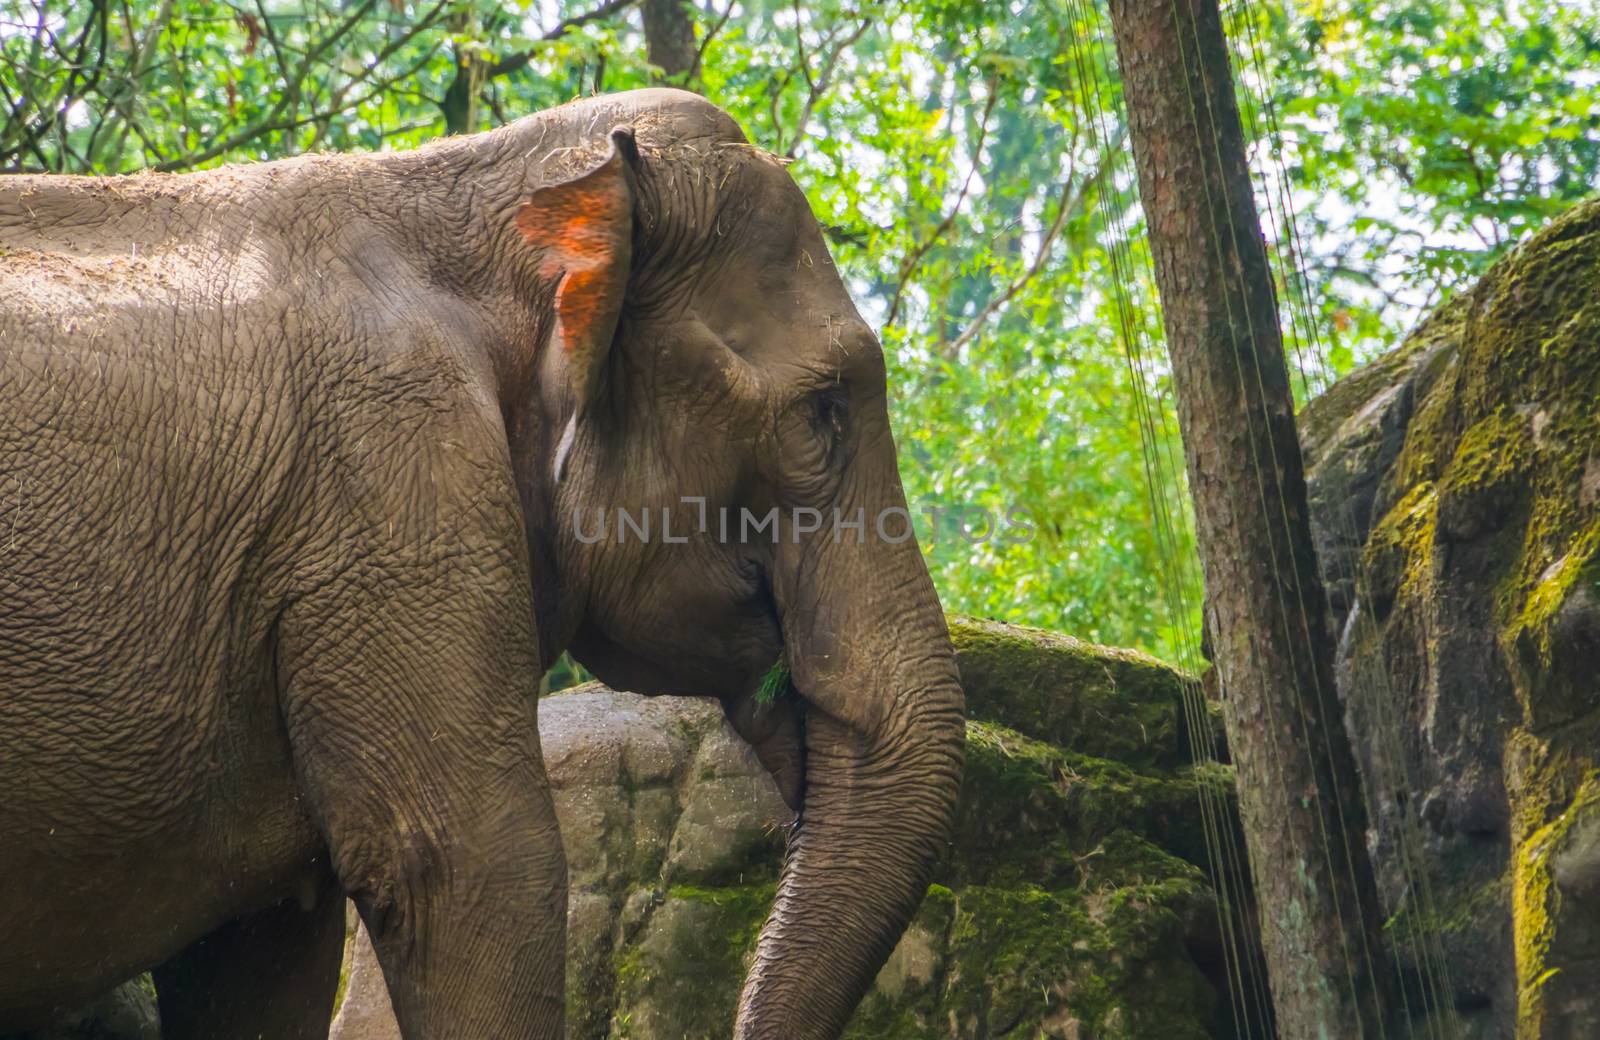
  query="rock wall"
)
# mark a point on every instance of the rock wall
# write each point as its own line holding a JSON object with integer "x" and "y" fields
{"x": 1455, "y": 486}
{"x": 1071, "y": 904}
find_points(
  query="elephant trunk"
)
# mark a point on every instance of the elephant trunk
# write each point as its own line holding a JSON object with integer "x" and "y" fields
{"x": 884, "y": 735}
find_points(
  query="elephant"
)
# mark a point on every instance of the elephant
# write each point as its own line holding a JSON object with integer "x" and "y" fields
{"x": 299, "y": 466}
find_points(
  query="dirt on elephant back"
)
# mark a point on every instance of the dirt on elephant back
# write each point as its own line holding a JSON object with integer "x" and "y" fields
{"x": 1456, "y": 486}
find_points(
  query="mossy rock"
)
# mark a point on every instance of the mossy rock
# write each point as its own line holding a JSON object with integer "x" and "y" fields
{"x": 1069, "y": 906}
{"x": 1512, "y": 446}
{"x": 125, "y": 1013}
{"x": 1027, "y": 962}
{"x": 1095, "y": 700}
{"x": 1031, "y": 812}
{"x": 1479, "y": 579}
{"x": 1070, "y": 903}
{"x": 680, "y": 975}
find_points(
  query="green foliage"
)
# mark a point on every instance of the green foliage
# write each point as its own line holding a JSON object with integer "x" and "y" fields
{"x": 565, "y": 674}
{"x": 774, "y": 684}
{"x": 1424, "y": 138}
{"x": 968, "y": 163}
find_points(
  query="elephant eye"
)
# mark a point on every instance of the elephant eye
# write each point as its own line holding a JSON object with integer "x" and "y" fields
{"x": 832, "y": 410}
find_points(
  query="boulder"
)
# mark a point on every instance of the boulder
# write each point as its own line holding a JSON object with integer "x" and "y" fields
{"x": 1455, "y": 487}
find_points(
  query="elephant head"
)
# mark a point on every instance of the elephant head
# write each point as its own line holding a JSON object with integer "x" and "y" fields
{"x": 704, "y": 366}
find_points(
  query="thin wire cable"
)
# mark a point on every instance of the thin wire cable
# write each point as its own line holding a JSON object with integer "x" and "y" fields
{"x": 1178, "y": 583}
{"x": 1305, "y": 620}
{"x": 1199, "y": 720}
{"x": 1087, "y": 80}
{"x": 1437, "y": 988}
{"x": 1094, "y": 117}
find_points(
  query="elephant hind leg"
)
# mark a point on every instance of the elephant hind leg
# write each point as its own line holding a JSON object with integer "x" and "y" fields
{"x": 270, "y": 975}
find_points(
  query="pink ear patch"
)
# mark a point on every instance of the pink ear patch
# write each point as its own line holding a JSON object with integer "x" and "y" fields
{"x": 585, "y": 228}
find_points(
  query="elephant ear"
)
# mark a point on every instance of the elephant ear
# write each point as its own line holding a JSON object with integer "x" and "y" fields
{"x": 584, "y": 230}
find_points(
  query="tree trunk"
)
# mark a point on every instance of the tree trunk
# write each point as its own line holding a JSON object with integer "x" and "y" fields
{"x": 1266, "y": 612}
{"x": 669, "y": 38}
{"x": 460, "y": 97}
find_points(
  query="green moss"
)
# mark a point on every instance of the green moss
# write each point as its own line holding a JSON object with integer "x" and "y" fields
{"x": 1428, "y": 348}
{"x": 1533, "y": 348}
{"x": 1010, "y": 947}
{"x": 1493, "y": 499}
{"x": 339, "y": 991}
{"x": 1113, "y": 964}
{"x": 1489, "y": 454}
{"x": 1508, "y": 437}
{"x": 1033, "y": 813}
{"x": 1075, "y": 882}
{"x": 1580, "y": 566}
{"x": 1541, "y": 928}
{"x": 906, "y": 1003}
{"x": 1069, "y": 900}
{"x": 1095, "y": 700}
{"x": 1429, "y": 444}
{"x": 1483, "y": 488}
{"x": 738, "y": 913}
{"x": 1456, "y": 911}
{"x": 1068, "y": 894}
{"x": 681, "y": 974}
{"x": 1398, "y": 555}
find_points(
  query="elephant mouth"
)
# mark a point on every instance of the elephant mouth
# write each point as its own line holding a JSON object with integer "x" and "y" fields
{"x": 781, "y": 709}
{"x": 771, "y": 718}
{"x": 785, "y": 759}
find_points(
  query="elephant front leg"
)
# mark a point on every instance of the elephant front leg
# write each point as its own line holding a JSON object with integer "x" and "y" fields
{"x": 417, "y": 745}
{"x": 469, "y": 925}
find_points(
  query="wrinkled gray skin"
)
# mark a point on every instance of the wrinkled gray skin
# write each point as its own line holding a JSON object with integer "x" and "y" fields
{"x": 284, "y": 552}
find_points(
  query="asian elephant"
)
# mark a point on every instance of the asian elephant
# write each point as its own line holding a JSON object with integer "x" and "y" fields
{"x": 300, "y": 470}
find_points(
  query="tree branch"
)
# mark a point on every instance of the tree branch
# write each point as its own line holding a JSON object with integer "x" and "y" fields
{"x": 1071, "y": 203}
{"x": 289, "y": 98}
{"x": 711, "y": 34}
{"x": 817, "y": 85}
{"x": 914, "y": 258}
{"x": 517, "y": 62}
